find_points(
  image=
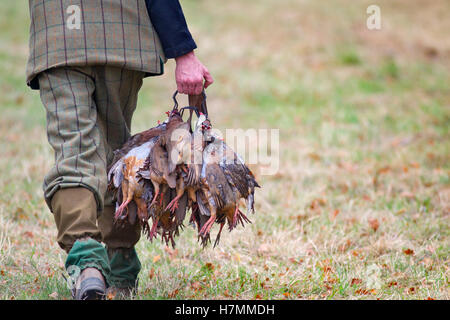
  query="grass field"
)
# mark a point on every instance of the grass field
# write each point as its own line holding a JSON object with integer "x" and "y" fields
{"x": 360, "y": 206}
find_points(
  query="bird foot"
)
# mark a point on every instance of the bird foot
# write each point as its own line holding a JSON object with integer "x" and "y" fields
{"x": 218, "y": 235}
{"x": 173, "y": 205}
{"x": 152, "y": 232}
{"x": 120, "y": 210}
{"x": 207, "y": 227}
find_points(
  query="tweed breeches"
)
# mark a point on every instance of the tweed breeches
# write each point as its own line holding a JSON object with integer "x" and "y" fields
{"x": 89, "y": 111}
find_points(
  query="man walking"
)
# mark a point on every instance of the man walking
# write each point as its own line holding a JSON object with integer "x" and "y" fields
{"x": 88, "y": 58}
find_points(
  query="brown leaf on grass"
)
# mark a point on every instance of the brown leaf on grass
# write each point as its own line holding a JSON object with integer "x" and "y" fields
{"x": 151, "y": 273}
{"x": 196, "y": 285}
{"x": 171, "y": 252}
{"x": 226, "y": 293}
{"x": 314, "y": 156}
{"x": 430, "y": 298}
{"x": 355, "y": 281}
{"x": 316, "y": 203}
{"x": 408, "y": 252}
{"x": 174, "y": 293}
{"x": 258, "y": 297}
{"x": 344, "y": 246}
{"x": 392, "y": 284}
{"x": 28, "y": 234}
{"x": 2, "y": 272}
{"x": 209, "y": 266}
{"x": 299, "y": 217}
{"x": 334, "y": 214}
{"x": 374, "y": 224}
{"x": 156, "y": 258}
{"x": 287, "y": 294}
{"x": 362, "y": 291}
{"x": 295, "y": 261}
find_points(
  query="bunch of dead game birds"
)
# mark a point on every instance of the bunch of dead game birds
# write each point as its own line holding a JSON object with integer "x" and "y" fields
{"x": 162, "y": 173}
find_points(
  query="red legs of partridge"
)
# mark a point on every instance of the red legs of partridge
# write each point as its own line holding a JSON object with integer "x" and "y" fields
{"x": 207, "y": 227}
{"x": 218, "y": 235}
{"x": 239, "y": 216}
{"x": 127, "y": 196}
{"x": 156, "y": 186}
{"x": 173, "y": 205}
{"x": 152, "y": 233}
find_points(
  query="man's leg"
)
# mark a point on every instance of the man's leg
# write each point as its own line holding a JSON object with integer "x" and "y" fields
{"x": 116, "y": 97}
{"x": 74, "y": 188}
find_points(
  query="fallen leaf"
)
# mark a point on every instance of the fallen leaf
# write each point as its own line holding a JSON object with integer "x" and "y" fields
{"x": 408, "y": 252}
{"x": 362, "y": 292}
{"x": 334, "y": 214}
{"x": 317, "y": 202}
{"x": 172, "y": 252}
{"x": 156, "y": 258}
{"x": 392, "y": 284}
{"x": 314, "y": 156}
{"x": 196, "y": 285}
{"x": 209, "y": 266}
{"x": 374, "y": 224}
{"x": 151, "y": 273}
{"x": 28, "y": 234}
{"x": 174, "y": 293}
{"x": 355, "y": 281}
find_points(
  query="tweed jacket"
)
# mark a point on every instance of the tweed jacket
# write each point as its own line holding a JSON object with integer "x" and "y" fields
{"x": 118, "y": 33}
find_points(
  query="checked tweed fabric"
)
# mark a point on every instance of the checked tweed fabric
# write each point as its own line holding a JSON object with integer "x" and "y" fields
{"x": 116, "y": 33}
{"x": 89, "y": 111}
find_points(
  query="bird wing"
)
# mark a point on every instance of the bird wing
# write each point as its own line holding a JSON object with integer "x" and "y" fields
{"x": 237, "y": 173}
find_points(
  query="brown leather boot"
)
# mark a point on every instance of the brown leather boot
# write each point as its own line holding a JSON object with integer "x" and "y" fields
{"x": 90, "y": 285}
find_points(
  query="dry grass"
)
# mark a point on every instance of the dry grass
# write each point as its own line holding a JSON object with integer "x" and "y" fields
{"x": 360, "y": 206}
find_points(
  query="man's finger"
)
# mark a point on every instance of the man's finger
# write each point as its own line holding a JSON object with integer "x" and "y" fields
{"x": 208, "y": 79}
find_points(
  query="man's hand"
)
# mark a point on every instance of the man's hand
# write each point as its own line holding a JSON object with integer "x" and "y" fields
{"x": 189, "y": 74}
